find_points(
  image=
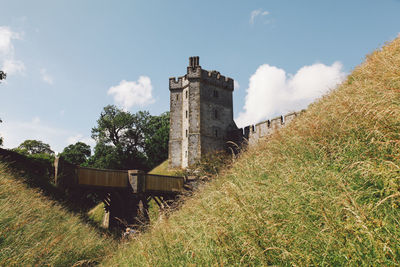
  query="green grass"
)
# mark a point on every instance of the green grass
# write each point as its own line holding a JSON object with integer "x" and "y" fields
{"x": 163, "y": 169}
{"x": 35, "y": 230}
{"x": 323, "y": 191}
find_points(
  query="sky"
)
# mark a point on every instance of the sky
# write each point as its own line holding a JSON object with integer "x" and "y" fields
{"x": 66, "y": 60}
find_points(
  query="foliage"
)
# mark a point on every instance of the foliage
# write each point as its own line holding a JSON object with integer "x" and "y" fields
{"x": 76, "y": 154}
{"x": 322, "y": 191}
{"x": 40, "y": 153}
{"x": 105, "y": 157}
{"x": 32, "y": 147}
{"x": 128, "y": 141}
{"x": 156, "y": 139}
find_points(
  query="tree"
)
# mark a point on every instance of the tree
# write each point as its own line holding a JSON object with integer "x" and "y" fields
{"x": 76, "y": 154}
{"x": 120, "y": 135}
{"x": 32, "y": 147}
{"x": 129, "y": 141}
{"x": 40, "y": 153}
{"x": 105, "y": 157}
{"x": 156, "y": 139}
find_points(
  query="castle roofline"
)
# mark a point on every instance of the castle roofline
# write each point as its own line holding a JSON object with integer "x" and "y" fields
{"x": 194, "y": 71}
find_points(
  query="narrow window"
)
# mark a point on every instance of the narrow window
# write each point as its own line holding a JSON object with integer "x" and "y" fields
{"x": 216, "y": 133}
{"x": 186, "y": 113}
{"x": 186, "y": 153}
{"x": 186, "y": 93}
{"x": 215, "y": 93}
{"x": 186, "y": 133}
{"x": 177, "y": 97}
{"x": 215, "y": 114}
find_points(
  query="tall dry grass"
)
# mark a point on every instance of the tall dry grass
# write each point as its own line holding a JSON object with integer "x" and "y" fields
{"x": 35, "y": 231}
{"x": 323, "y": 191}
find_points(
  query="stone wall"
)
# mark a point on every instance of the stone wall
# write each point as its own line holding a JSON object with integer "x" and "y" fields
{"x": 201, "y": 109}
{"x": 253, "y": 133}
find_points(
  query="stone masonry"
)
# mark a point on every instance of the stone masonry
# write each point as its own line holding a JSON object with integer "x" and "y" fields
{"x": 201, "y": 111}
{"x": 201, "y": 116}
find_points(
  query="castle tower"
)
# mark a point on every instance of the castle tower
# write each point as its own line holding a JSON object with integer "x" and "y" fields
{"x": 201, "y": 111}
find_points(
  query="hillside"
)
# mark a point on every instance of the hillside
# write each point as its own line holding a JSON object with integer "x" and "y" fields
{"x": 35, "y": 230}
{"x": 324, "y": 190}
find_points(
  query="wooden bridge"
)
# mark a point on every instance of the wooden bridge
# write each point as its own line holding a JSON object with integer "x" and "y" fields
{"x": 125, "y": 193}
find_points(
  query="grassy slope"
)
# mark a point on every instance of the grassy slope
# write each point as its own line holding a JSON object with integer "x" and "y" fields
{"x": 37, "y": 231}
{"x": 325, "y": 190}
{"x": 163, "y": 169}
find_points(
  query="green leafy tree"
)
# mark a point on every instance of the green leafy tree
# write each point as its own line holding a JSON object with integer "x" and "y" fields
{"x": 129, "y": 141}
{"x": 120, "y": 139}
{"x": 105, "y": 157}
{"x": 76, "y": 154}
{"x": 40, "y": 153}
{"x": 156, "y": 139}
{"x": 33, "y": 147}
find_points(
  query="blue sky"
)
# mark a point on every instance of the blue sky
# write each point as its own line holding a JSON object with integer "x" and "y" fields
{"x": 62, "y": 57}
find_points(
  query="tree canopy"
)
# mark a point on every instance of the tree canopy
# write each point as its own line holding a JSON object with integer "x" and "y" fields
{"x": 129, "y": 141}
{"x": 156, "y": 139}
{"x": 76, "y": 154}
{"x": 32, "y": 147}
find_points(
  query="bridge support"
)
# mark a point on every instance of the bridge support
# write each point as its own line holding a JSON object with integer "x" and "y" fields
{"x": 126, "y": 209}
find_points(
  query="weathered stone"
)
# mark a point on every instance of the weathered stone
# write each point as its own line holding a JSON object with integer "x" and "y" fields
{"x": 201, "y": 113}
{"x": 201, "y": 110}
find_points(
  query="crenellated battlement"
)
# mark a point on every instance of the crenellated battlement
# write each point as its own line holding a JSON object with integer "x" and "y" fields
{"x": 253, "y": 133}
{"x": 175, "y": 83}
{"x": 178, "y": 83}
{"x": 201, "y": 112}
{"x": 216, "y": 79}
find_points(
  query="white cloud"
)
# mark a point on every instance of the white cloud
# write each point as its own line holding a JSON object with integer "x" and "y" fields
{"x": 236, "y": 85}
{"x": 15, "y": 132}
{"x": 45, "y": 76}
{"x": 271, "y": 91}
{"x": 137, "y": 93}
{"x": 6, "y": 36}
{"x": 255, "y": 13}
{"x": 9, "y": 64}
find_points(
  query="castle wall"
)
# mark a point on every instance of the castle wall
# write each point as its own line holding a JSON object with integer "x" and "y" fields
{"x": 253, "y": 133}
{"x": 176, "y": 87}
{"x": 216, "y": 111}
{"x": 201, "y": 110}
{"x": 194, "y": 141}
{"x": 201, "y": 114}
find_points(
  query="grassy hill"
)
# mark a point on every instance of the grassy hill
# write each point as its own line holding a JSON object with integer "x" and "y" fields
{"x": 35, "y": 230}
{"x": 324, "y": 190}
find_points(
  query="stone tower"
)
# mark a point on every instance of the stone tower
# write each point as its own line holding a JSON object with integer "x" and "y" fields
{"x": 201, "y": 111}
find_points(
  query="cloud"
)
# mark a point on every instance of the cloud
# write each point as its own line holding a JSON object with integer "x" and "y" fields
{"x": 272, "y": 92}
{"x": 15, "y": 132}
{"x": 9, "y": 64}
{"x": 236, "y": 85}
{"x": 6, "y": 36}
{"x": 45, "y": 76}
{"x": 128, "y": 94}
{"x": 255, "y": 13}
